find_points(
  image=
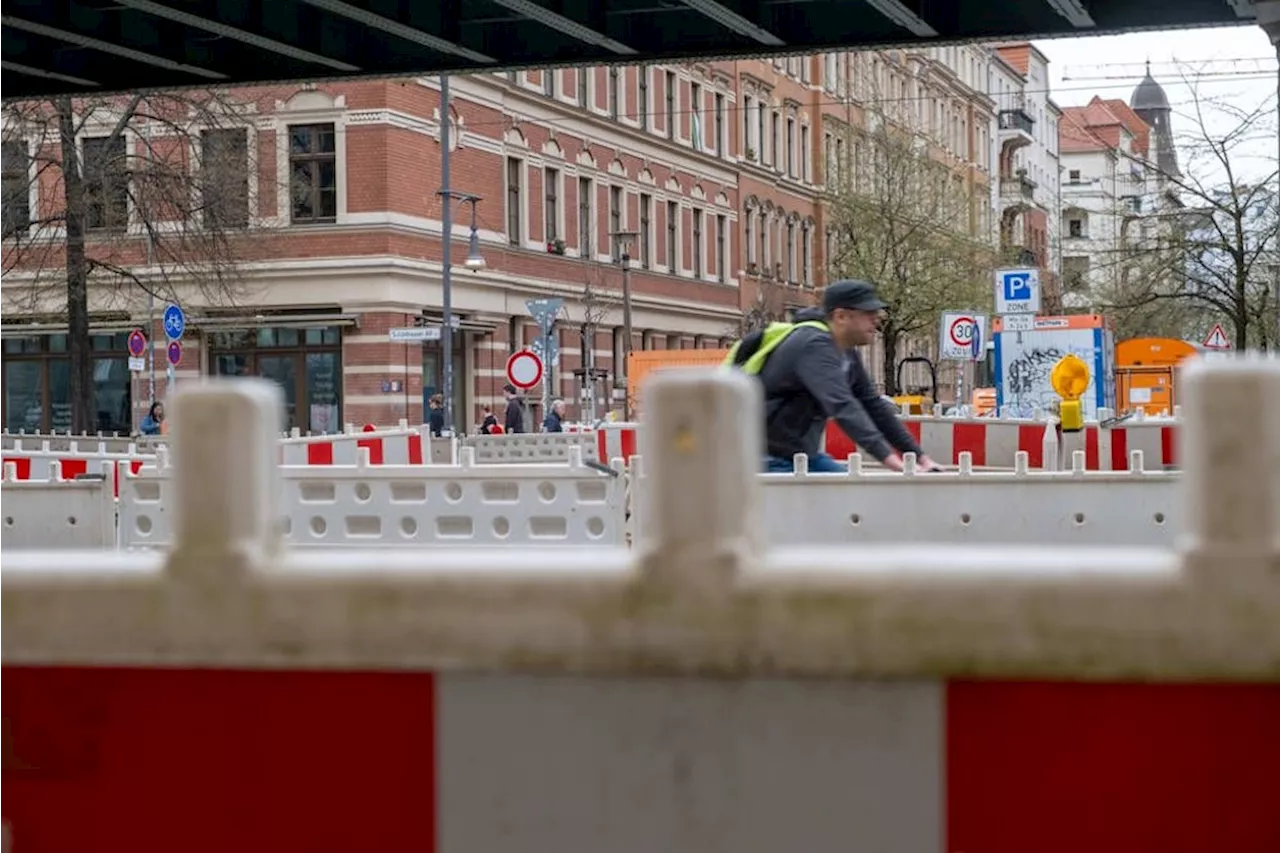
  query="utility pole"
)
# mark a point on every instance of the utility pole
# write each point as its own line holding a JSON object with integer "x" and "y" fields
{"x": 474, "y": 262}
{"x": 623, "y": 241}
{"x": 446, "y": 259}
{"x": 151, "y": 330}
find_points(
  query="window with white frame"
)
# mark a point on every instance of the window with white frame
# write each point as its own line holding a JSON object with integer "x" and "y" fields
{"x": 642, "y": 76}
{"x": 828, "y": 159}
{"x": 697, "y": 130}
{"x": 805, "y": 171}
{"x": 750, "y": 218}
{"x": 698, "y": 247}
{"x": 551, "y": 204}
{"x": 766, "y": 241}
{"x": 790, "y": 261}
{"x": 615, "y": 220}
{"x": 585, "y": 215}
{"x": 583, "y": 80}
{"x": 775, "y": 142}
{"x": 515, "y": 175}
{"x": 313, "y": 173}
{"x": 646, "y": 229}
{"x": 549, "y": 82}
{"x": 224, "y": 177}
{"x": 673, "y": 236}
{"x": 792, "y": 159}
{"x": 669, "y": 91}
{"x": 830, "y": 64}
{"x": 614, "y": 106}
{"x": 806, "y": 255}
{"x": 719, "y": 124}
{"x": 748, "y": 150}
{"x": 16, "y": 160}
{"x": 722, "y": 237}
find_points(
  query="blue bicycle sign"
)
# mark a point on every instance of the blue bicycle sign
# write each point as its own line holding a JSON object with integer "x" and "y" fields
{"x": 175, "y": 322}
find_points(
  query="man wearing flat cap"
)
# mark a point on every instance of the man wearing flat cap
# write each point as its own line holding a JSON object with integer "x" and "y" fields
{"x": 816, "y": 374}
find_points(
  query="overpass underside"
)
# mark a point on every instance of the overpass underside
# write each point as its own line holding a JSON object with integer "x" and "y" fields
{"x": 84, "y": 46}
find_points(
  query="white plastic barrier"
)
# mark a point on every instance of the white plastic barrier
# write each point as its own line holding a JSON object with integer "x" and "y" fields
{"x": 707, "y": 691}
{"x": 532, "y": 447}
{"x": 50, "y": 512}
{"x": 389, "y": 505}
{"x": 1075, "y": 507}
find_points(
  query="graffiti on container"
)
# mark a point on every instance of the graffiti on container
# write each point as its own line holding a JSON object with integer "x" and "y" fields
{"x": 1030, "y": 371}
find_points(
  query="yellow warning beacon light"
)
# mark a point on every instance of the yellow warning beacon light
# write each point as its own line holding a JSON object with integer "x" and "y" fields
{"x": 1070, "y": 379}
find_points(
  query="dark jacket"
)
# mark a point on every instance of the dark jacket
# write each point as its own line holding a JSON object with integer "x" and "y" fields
{"x": 883, "y": 413}
{"x": 806, "y": 381}
{"x": 515, "y": 416}
{"x": 435, "y": 420}
{"x": 551, "y": 423}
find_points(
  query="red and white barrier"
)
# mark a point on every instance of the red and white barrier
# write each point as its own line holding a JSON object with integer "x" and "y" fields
{"x": 995, "y": 443}
{"x": 456, "y": 762}
{"x": 617, "y": 441}
{"x": 71, "y": 463}
{"x": 708, "y": 691}
{"x": 386, "y": 447}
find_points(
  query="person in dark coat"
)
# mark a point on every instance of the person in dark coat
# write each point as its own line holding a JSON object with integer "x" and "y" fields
{"x": 514, "y": 420}
{"x": 811, "y": 377}
{"x": 435, "y": 418}
{"x": 554, "y": 421}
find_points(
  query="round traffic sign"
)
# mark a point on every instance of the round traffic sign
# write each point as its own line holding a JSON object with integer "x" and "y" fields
{"x": 524, "y": 369}
{"x": 137, "y": 343}
{"x": 962, "y": 330}
{"x": 175, "y": 322}
{"x": 175, "y": 352}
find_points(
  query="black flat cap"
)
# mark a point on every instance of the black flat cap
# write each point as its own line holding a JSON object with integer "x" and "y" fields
{"x": 851, "y": 293}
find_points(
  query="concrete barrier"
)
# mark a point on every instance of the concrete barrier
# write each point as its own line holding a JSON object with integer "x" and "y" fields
{"x": 708, "y": 690}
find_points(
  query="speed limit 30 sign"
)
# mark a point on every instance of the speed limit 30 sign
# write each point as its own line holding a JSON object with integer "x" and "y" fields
{"x": 962, "y": 335}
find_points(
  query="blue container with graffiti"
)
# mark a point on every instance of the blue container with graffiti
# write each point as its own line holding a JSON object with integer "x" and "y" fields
{"x": 1023, "y": 361}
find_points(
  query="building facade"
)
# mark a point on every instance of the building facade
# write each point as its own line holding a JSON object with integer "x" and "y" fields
{"x": 717, "y": 172}
{"x": 1120, "y": 168}
{"x": 1028, "y": 163}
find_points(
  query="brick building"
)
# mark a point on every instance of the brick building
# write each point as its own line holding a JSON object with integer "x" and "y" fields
{"x": 719, "y": 169}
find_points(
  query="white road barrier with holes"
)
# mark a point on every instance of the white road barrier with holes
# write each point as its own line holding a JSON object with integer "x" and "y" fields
{"x": 531, "y": 447}
{"x": 1076, "y": 507}
{"x": 365, "y": 505}
{"x": 707, "y": 690}
{"x": 55, "y": 513}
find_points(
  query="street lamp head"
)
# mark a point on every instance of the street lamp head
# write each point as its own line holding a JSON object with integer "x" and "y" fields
{"x": 623, "y": 240}
{"x": 475, "y": 260}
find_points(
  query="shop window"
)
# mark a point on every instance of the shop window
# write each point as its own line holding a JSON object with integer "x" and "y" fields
{"x": 305, "y": 362}
{"x": 37, "y": 384}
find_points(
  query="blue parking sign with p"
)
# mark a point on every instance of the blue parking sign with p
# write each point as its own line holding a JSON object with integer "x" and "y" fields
{"x": 1017, "y": 286}
{"x": 1017, "y": 291}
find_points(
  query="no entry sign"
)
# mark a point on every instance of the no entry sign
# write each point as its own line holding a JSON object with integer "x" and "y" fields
{"x": 524, "y": 369}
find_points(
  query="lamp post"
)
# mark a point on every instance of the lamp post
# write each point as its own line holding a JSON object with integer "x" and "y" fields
{"x": 474, "y": 261}
{"x": 622, "y": 241}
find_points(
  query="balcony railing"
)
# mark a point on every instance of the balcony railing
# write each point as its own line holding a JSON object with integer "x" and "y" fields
{"x": 1017, "y": 119}
{"x": 1017, "y": 189}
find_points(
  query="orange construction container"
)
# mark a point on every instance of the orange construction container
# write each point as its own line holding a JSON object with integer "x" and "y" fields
{"x": 640, "y": 364}
{"x": 1146, "y": 373}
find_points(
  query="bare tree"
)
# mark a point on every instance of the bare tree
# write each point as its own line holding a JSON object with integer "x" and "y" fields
{"x": 598, "y": 304}
{"x": 906, "y": 219}
{"x": 1212, "y": 256}
{"x": 766, "y": 305}
{"x": 143, "y": 195}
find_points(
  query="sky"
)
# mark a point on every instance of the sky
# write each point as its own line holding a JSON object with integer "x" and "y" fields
{"x": 1235, "y": 66}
